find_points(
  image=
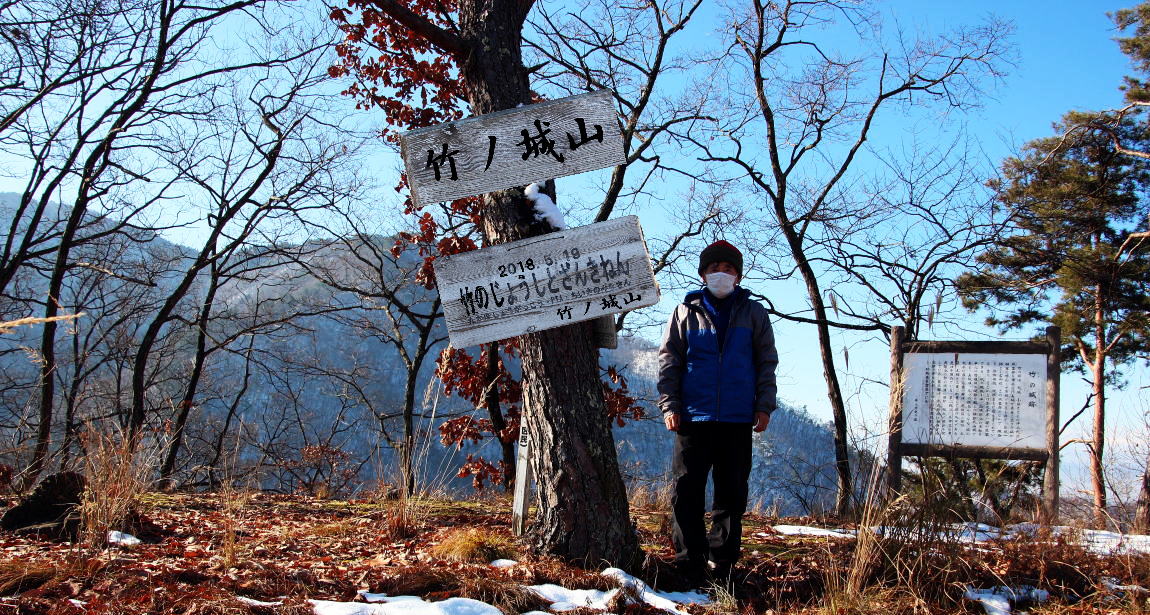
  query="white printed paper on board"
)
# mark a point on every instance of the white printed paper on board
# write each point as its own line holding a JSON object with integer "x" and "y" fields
{"x": 996, "y": 400}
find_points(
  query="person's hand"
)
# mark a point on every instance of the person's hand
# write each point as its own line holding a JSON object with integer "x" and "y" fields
{"x": 762, "y": 419}
{"x": 671, "y": 420}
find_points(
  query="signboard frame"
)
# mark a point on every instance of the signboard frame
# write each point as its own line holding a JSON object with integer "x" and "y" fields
{"x": 896, "y": 448}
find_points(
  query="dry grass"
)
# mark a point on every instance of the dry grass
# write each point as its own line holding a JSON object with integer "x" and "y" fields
{"x": 913, "y": 562}
{"x": 475, "y": 545}
{"x": 416, "y": 581}
{"x": 649, "y": 496}
{"x": 233, "y": 503}
{"x": 344, "y": 528}
{"x": 117, "y": 472}
{"x": 506, "y": 595}
{"x": 9, "y": 326}
{"x": 398, "y": 514}
{"x": 876, "y": 600}
{"x": 18, "y": 576}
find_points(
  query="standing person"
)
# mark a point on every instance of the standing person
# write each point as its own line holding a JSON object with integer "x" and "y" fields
{"x": 716, "y": 384}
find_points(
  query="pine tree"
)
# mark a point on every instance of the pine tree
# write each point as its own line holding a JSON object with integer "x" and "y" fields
{"x": 1073, "y": 201}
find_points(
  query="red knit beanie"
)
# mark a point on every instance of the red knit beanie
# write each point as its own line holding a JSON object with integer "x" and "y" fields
{"x": 718, "y": 252}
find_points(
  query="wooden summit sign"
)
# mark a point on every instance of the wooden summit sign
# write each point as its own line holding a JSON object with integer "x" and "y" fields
{"x": 514, "y": 147}
{"x": 546, "y": 281}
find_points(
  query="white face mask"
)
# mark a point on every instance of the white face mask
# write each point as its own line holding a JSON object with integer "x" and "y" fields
{"x": 720, "y": 284}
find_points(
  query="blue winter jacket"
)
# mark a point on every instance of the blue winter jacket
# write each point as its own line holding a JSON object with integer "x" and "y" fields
{"x": 703, "y": 382}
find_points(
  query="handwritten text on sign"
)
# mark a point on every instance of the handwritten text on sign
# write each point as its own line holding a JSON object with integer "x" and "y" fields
{"x": 543, "y": 282}
{"x": 513, "y": 147}
{"x": 975, "y": 399}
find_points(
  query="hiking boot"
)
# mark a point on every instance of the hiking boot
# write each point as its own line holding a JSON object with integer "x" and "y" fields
{"x": 722, "y": 575}
{"x": 689, "y": 575}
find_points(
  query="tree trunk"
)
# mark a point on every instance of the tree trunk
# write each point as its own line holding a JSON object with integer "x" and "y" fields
{"x": 498, "y": 423}
{"x": 1098, "y": 442}
{"x": 189, "y": 400}
{"x": 1142, "y": 512}
{"x": 407, "y": 448}
{"x": 583, "y": 510}
{"x": 830, "y": 374}
{"x": 48, "y": 336}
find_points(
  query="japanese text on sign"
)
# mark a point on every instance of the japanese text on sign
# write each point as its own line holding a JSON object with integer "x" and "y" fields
{"x": 513, "y": 148}
{"x": 549, "y": 281}
{"x": 971, "y": 399}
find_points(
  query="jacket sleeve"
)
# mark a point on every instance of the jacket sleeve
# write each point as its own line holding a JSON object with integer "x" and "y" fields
{"x": 672, "y": 359}
{"x": 766, "y": 360}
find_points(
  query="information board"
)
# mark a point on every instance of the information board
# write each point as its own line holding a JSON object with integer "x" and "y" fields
{"x": 992, "y": 400}
{"x": 547, "y": 281}
{"x": 977, "y": 399}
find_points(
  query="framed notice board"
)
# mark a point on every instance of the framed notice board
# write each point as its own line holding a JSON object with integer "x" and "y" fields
{"x": 992, "y": 399}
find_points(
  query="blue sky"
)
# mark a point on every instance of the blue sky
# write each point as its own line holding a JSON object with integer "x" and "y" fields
{"x": 1066, "y": 60}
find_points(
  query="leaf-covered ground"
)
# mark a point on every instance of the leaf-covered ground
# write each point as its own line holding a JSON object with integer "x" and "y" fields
{"x": 266, "y": 554}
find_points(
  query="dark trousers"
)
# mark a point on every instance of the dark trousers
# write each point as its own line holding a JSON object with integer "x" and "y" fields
{"x": 722, "y": 450}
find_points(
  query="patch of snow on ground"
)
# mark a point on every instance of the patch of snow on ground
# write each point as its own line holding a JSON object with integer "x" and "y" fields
{"x": 668, "y": 601}
{"x": 997, "y": 601}
{"x": 406, "y": 605}
{"x": 253, "y": 602}
{"x": 564, "y": 600}
{"x": 1112, "y": 584}
{"x": 503, "y": 563}
{"x": 1100, "y": 542}
{"x": 804, "y": 530}
{"x": 122, "y": 539}
{"x": 1113, "y": 543}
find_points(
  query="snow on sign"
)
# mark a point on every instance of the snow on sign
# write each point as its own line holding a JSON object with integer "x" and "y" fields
{"x": 512, "y": 148}
{"x": 994, "y": 400}
{"x": 544, "y": 282}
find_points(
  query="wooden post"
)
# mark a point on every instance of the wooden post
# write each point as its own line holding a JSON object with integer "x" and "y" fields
{"x": 894, "y": 440}
{"x": 522, "y": 482}
{"x": 1050, "y": 478}
{"x": 605, "y": 334}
